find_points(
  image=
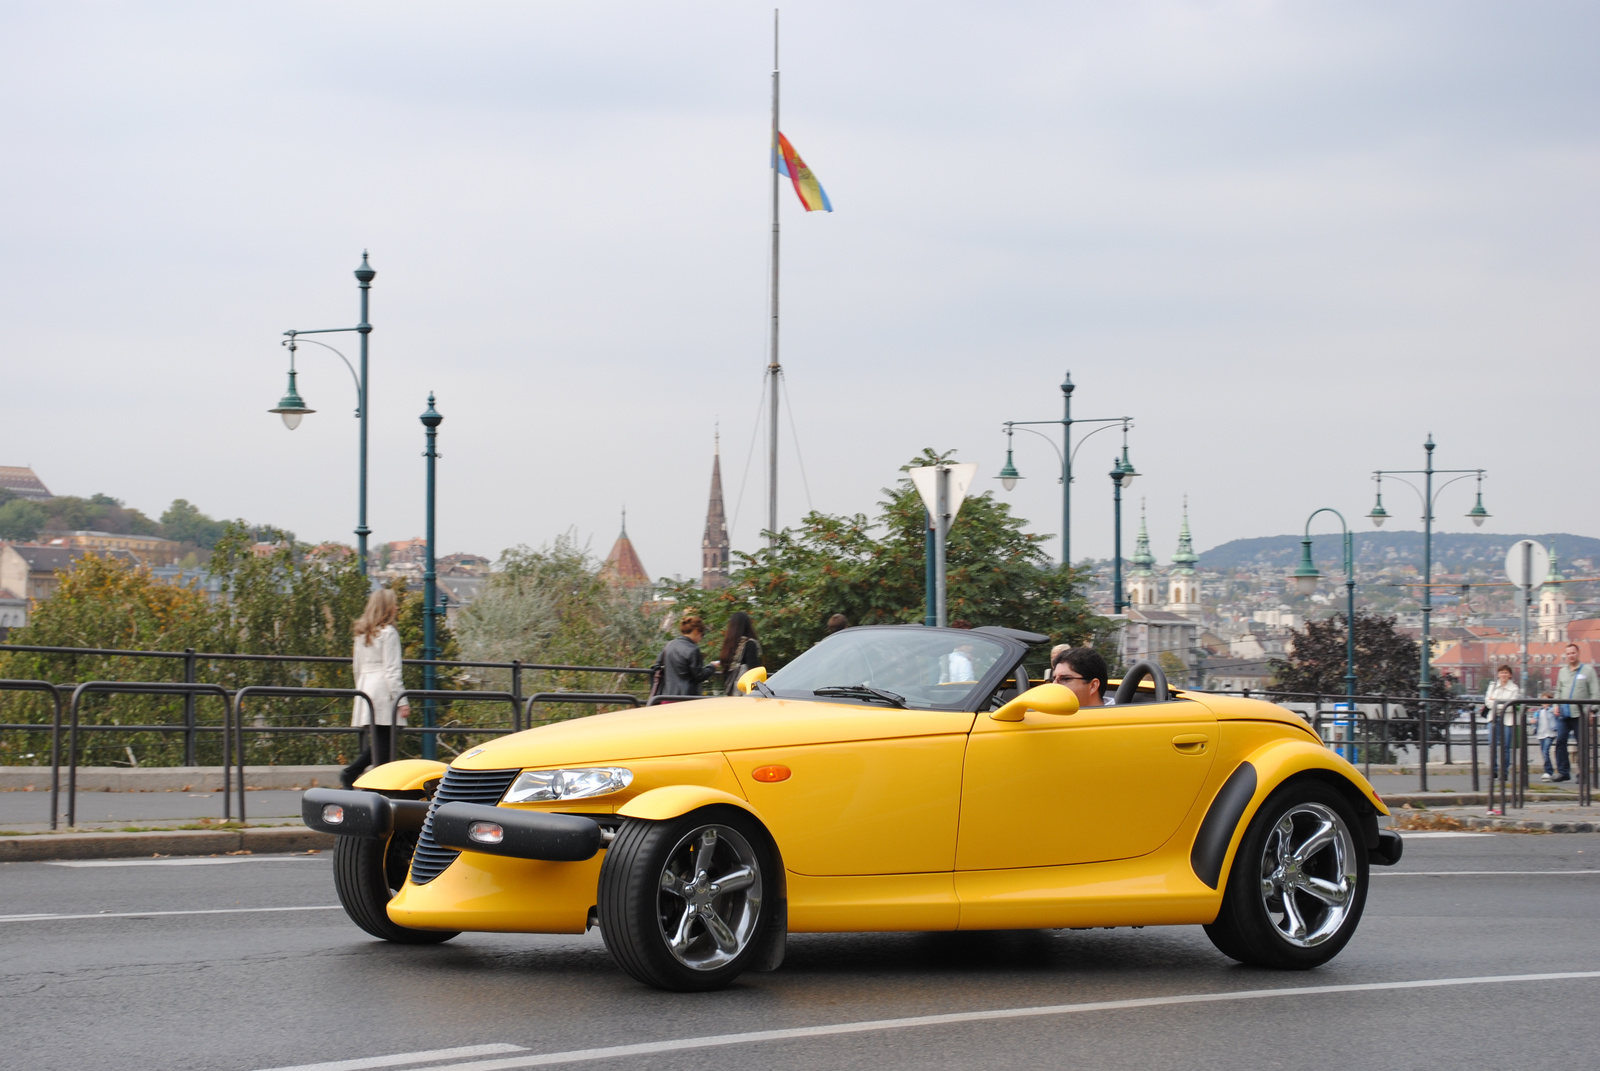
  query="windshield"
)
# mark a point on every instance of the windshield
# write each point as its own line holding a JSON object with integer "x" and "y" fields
{"x": 921, "y": 667}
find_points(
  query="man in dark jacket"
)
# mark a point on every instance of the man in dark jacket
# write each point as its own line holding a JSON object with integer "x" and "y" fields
{"x": 685, "y": 668}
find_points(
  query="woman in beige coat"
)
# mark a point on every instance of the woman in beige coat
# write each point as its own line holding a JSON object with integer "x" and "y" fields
{"x": 377, "y": 672}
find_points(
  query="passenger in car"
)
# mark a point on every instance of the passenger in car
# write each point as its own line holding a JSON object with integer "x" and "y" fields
{"x": 1084, "y": 671}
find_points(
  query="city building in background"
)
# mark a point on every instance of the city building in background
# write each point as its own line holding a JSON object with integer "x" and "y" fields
{"x": 20, "y": 481}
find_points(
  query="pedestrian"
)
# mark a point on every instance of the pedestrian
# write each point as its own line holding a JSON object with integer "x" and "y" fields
{"x": 1501, "y": 690}
{"x": 1575, "y": 681}
{"x": 836, "y": 623}
{"x": 1545, "y": 727}
{"x": 741, "y": 651}
{"x": 376, "y": 665}
{"x": 1084, "y": 670}
{"x": 684, "y": 668}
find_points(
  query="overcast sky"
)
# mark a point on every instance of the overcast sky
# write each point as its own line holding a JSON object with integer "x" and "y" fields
{"x": 1290, "y": 240}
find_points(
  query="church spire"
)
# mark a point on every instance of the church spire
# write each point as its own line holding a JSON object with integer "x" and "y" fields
{"x": 1185, "y": 559}
{"x": 714, "y": 544}
{"x": 1143, "y": 560}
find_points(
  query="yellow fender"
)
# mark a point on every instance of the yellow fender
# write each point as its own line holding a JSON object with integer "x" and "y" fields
{"x": 403, "y": 775}
{"x": 659, "y": 804}
{"x": 1259, "y": 775}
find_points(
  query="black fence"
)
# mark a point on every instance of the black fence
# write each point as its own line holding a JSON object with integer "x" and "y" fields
{"x": 223, "y": 713}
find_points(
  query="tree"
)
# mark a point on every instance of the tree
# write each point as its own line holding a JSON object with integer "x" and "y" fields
{"x": 187, "y": 524}
{"x": 21, "y": 521}
{"x": 872, "y": 571}
{"x": 555, "y": 606}
{"x": 1386, "y": 661}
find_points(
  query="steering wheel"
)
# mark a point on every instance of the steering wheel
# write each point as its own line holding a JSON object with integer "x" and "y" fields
{"x": 1136, "y": 673}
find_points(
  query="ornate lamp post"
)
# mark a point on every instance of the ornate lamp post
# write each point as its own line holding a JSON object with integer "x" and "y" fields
{"x": 293, "y": 408}
{"x": 1122, "y": 473}
{"x": 1428, "y": 496}
{"x": 431, "y": 419}
{"x": 1305, "y": 582}
{"x": 1066, "y": 453}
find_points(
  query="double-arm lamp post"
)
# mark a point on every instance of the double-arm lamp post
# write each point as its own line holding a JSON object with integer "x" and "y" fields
{"x": 1477, "y": 514}
{"x": 292, "y": 407}
{"x": 1305, "y": 582}
{"x": 1066, "y": 452}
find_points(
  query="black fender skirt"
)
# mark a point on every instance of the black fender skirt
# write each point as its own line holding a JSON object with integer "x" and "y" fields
{"x": 1216, "y": 830}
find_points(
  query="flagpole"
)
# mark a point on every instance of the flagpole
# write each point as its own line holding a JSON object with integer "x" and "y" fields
{"x": 773, "y": 368}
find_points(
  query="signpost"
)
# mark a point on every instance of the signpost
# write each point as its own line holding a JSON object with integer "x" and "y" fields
{"x": 1527, "y": 566}
{"x": 943, "y": 488}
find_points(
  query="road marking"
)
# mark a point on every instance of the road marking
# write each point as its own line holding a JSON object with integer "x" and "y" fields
{"x": 155, "y": 914}
{"x": 405, "y": 1058}
{"x": 650, "y": 1048}
{"x": 196, "y": 860}
{"x": 1408, "y": 835}
{"x": 1475, "y": 873}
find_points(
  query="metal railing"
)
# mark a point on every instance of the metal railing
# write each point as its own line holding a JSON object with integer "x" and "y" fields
{"x": 1510, "y": 774}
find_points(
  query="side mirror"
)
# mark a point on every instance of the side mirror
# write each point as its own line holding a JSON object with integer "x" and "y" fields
{"x": 748, "y": 680}
{"x": 1045, "y": 698}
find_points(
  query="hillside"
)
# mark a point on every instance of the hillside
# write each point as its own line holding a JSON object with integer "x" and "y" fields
{"x": 1376, "y": 548}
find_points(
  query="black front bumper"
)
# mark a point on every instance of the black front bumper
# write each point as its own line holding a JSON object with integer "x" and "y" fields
{"x": 470, "y": 827}
{"x": 1389, "y": 849}
{"x": 354, "y": 813}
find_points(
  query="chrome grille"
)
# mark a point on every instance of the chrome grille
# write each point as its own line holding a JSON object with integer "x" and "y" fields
{"x": 458, "y": 786}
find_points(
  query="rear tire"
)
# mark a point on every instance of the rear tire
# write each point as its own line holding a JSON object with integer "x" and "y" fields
{"x": 367, "y": 874}
{"x": 685, "y": 904}
{"x": 1298, "y": 884}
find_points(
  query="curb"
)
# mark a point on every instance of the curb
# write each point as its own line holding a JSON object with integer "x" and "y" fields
{"x": 166, "y": 778}
{"x": 1461, "y": 799}
{"x": 1526, "y": 824}
{"x": 53, "y": 846}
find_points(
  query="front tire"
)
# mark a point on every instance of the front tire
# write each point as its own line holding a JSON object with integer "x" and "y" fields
{"x": 684, "y": 903}
{"x": 1299, "y": 881}
{"x": 367, "y": 874}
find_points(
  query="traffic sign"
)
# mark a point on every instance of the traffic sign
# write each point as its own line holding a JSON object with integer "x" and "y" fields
{"x": 1527, "y": 563}
{"x": 926, "y": 480}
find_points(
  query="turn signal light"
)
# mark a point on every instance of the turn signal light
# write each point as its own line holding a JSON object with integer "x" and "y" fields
{"x": 333, "y": 814}
{"x": 771, "y": 774}
{"x": 487, "y": 832}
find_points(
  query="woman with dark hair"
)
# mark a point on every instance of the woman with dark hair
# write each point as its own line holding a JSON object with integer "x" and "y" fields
{"x": 741, "y": 652}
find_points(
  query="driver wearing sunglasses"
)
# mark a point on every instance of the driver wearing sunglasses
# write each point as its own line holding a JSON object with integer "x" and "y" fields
{"x": 1084, "y": 671}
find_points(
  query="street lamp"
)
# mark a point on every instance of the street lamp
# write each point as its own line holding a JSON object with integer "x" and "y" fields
{"x": 1066, "y": 453}
{"x": 1122, "y": 473}
{"x": 292, "y": 408}
{"x": 1428, "y": 497}
{"x": 431, "y": 419}
{"x": 1305, "y": 580}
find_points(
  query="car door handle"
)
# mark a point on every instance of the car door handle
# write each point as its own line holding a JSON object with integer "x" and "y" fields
{"x": 1191, "y": 743}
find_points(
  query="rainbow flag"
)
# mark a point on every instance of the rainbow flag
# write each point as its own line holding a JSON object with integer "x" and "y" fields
{"x": 806, "y": 186}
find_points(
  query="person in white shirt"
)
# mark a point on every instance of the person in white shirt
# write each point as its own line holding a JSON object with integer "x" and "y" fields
{"x": 376, "y": 666}
{"x": 1501, "y": 719}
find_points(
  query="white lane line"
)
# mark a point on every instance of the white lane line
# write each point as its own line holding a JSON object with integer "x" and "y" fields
{"x": 1408, "y": 835}
{"x": 156, "y": 914}
{"x": 405, "y": 1058}
{"x": 613, "y": 1052}
{"x": 194, "y": 860}
{"x": 1476, "y": 873}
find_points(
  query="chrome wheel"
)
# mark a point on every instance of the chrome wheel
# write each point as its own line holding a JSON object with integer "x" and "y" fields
{"x": 1309, "y": 875}
{"x": 709, "y": 903}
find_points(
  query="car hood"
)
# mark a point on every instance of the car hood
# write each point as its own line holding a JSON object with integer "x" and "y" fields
{"x": 735, "y": 723}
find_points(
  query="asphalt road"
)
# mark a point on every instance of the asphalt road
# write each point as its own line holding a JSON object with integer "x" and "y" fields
{"x": 250, "y": 970}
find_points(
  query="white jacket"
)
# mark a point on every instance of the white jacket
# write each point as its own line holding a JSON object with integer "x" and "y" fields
{"x": 377, "y": 672}
{"x": 1502, "y": 693}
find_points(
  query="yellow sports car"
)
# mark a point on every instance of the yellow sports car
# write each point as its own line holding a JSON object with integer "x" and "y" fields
{"x": 890, "y": 778}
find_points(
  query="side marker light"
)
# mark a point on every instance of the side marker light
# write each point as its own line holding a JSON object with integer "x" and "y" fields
{"x": 487, "y": 832}
{"x": 771, "y": 774}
